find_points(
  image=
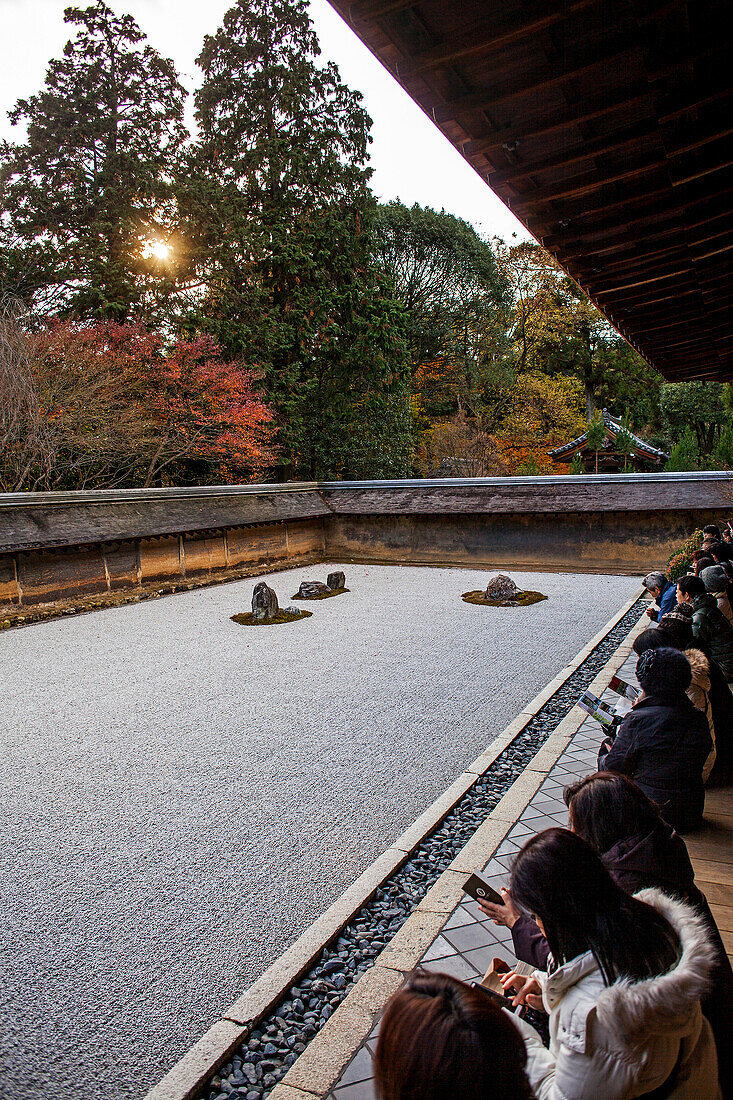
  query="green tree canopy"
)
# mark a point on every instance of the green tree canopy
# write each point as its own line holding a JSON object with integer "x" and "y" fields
{"x": 276, "y": 205}
{"x": 92, "y": 182}
{"x": 702, "y": 407}
{"x": 443, "y": 273}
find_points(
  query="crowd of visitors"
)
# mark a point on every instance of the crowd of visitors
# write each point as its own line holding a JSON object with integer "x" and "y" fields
{"x": 629, "y": 965}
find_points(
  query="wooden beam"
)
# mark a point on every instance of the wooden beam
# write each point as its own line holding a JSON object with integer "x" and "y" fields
{"x": 605, "y": 210}
{"x": 677, "y": 112}
{"x": 696, "y": 140}
{"x": 512, "y": 134}
{"x": 366, "y": 10}
{"x": 668, "y": 326}
{"x": 637, "y": 259}
{"x": 484, "y": 39}
{"x": 602, "y": 209}
{"x": 601, "y": 290}
{"x": 539, "y": 81}
{"x": 649, "y": 298}
{"x": 624, "y": 244}
{"x": 596, "y": 183}
{"x": 603, "y": 278}
{"x": 601, "y": 146}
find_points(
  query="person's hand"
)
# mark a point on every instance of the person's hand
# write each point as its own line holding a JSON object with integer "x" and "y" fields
{"x": 528, "y": 991}
{"x": 650, "y": 611}
{"x": 506, "y": 914}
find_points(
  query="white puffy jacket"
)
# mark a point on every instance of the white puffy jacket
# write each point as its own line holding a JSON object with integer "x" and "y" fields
{"x": 623, "y": 1040}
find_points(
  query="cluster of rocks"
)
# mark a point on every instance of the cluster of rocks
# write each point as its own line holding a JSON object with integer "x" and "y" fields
{"x": 273, "y": 1046}
{"x": 335, "y": 582}
{"x": 265, "y": 606}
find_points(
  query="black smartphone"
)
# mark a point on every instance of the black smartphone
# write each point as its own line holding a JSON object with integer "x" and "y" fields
{"x": 502, "y": 1002}
{"x": 499, "y": 1001}
{"x": 479, "y": 889}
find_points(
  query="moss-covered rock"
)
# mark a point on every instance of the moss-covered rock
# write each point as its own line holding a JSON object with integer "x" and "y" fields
{"x": 321, "y": 595}
{"x": 522, "y": 599}
{"x": 283, "y": 616}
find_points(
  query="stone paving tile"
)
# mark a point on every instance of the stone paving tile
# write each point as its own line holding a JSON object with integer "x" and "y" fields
{"x": 440, "y": 949}
{"x": 359, "y": 1069}
{"x": 458, "y": 917}
{"x": 362, "y": 1090}
{"x": 456, "y": 966}
{"x": 471, "y": 936}
{"x": 473, "y": 942}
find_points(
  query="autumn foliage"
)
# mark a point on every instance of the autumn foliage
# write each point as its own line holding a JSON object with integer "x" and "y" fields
{"x": 108, "y": 405}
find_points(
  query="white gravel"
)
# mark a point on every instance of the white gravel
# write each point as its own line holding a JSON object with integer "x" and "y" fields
{"x": 181, "y": 796}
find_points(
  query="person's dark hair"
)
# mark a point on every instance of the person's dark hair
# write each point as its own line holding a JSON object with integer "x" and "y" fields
{"x": 648, "y": 639}
{"x": 702, "y": 562}
{"x": 691, "y": 586}
{"x": 442, "y": 1040}
{"x": 711, "y": 529}
{"x": 676, "y": 633}
{"x": 606, "y": 807}
{"x": 720, "y": 551}
{"x": 560, "y": 879}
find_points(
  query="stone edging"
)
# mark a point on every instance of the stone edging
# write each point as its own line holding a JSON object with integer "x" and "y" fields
{"x": 185, "y": 1079}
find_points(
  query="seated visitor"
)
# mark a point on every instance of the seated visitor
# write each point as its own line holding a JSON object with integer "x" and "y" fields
{"x": 442, "y": 1040}
{"x": 623, "y": 991}
{"x": 639, "y": 850}
{"x": 663, "y": 592}
{"x": 709, "y": 625}
{"x": 675, "y": 630}
{"x": 700, "y": 561}
{"x": 699, "y": 690}
{"x": 728, "y": 534}
{"x": 710, "y": 535}
{"x": 720, "y": 551}
{"x": 663, "y": 743}
{"x": 716, "y": 583}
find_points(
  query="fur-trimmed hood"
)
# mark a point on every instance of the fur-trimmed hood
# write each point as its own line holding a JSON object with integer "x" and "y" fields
{"x": 664, "y": 1003}
{"x": 700, "y": 668}
{"x": 629, "y": 1038}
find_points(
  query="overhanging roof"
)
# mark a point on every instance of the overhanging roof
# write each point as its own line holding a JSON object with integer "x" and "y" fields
{"x": 606, "y": 128}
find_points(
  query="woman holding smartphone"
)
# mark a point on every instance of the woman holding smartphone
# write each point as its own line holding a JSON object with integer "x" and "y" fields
{"x": 624, "y": 981}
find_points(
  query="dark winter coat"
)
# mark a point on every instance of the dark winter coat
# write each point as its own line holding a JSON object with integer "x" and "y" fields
{"x": 662, "y": 745}
{"x": 659, "y": 859}
{"x": 710, "y": 626}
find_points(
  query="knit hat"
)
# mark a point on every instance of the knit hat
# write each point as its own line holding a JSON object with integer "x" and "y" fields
{"x": 664, "y": 672}
{"x": 714, "y": 578}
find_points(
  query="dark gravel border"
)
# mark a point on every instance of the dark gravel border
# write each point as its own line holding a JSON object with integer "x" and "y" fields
{"x": 280, "y": 1037}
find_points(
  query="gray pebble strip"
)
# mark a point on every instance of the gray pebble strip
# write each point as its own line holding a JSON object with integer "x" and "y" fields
{"x": 276, "y": 1042}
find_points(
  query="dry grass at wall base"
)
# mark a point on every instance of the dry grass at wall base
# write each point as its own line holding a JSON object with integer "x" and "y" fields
{"x": 321, "y": 595}
{"x": 522, "y": 599}
{"x": 248, "y": 619}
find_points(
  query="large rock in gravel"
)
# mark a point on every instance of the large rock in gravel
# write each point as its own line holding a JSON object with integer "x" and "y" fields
{"x": 308, "y": 589}
{"x": 501, "y": 587}
{"x": 264, "y": 602}
{"x": 336, "y": 580}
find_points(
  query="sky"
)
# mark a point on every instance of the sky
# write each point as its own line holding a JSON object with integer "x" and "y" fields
{"x": 412, "y": 160}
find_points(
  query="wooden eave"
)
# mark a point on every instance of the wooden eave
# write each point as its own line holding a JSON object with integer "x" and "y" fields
{"x": 606, "y": 128}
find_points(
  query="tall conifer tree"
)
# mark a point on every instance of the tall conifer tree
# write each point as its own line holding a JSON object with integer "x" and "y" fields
{"x": 91, "y": 184}
{"x": 277, "y": 200}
